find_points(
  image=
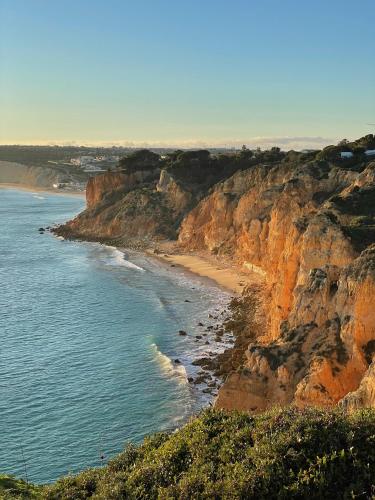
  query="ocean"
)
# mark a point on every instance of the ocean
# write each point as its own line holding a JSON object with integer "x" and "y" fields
{"x": 88, "y": 342}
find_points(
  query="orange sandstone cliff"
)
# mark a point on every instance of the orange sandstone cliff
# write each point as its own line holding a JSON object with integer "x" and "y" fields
{"x": 308, "y": 232}
{"x": 304, "y": 223}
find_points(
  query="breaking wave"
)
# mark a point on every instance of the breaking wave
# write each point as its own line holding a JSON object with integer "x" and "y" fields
{"x": 118, "y": 258}
{"x": 168, "y": 367}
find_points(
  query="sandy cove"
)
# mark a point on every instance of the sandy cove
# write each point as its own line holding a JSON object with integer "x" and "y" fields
{"x": 225, "y": 277}
{"x": 224, "y": 274}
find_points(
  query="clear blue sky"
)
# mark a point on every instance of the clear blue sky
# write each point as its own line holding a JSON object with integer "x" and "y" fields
{"x": 183, "y": 71}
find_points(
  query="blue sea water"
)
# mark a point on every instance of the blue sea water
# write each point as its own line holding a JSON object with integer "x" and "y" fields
{"x": 88, "y": 336}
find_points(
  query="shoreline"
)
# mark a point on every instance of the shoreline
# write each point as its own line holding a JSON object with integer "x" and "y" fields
{"x": 205, "y": 364}
{"x": 39, "y": 189}
{"x": 224, "y": 275}
{"x": 207, "y": 331}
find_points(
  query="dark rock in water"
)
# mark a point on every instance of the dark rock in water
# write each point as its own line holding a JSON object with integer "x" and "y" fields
{"x": 177, "y": 361}
{"x": 190, "y": 379}
{"x": 186, "y": 300}
{"x": 198, "y": 337}
{"x": 200, "y": 324}
{"x": 207, "y": 391}
{"x": 41, "y": 229}
{"x": 173, "y": 265}
{"x": 182, "y": 332}
{"x": 201, "y": 362}
{"x": 200, "y": 379}
{"x": 207, "y": 342}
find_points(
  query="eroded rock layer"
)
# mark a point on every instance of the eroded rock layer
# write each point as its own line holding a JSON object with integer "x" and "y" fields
{"x": 301, "y": 229}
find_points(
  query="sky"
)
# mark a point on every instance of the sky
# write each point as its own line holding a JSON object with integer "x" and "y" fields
{"x": 293, "y": 73}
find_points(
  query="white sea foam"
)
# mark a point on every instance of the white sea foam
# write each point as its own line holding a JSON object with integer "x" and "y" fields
{"x": 117, "y": 258}
{"x": 38, "y": 197}
{"x": 168, "y": 367}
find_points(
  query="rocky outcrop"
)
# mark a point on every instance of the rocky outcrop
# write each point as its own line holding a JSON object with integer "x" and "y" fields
{"x": 178, "y": 199}
{"x": 130, "y": 208}
{"x": 113, "y": 185}
{"x": 364, "y": 396}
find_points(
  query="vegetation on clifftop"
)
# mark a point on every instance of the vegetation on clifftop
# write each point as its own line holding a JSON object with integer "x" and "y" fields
{"x": 287, "y": 453}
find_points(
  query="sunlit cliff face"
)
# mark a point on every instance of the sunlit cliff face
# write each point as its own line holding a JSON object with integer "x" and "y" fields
{"x": 319, "y": 287}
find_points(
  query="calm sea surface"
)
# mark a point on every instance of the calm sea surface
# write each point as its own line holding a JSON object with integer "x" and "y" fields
{"x": 87, "y": 339}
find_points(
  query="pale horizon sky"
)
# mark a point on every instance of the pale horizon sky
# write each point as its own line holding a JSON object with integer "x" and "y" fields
{"x": 186, "y": 74}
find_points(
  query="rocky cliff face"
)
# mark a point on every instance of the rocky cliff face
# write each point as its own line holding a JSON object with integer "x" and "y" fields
{"x": 305, "y": 225}
{"x": 132, "y": 209}
{"x": 115, "y": 184}
{"x": 300, "y": 228}
{"x": 146, "y": 200}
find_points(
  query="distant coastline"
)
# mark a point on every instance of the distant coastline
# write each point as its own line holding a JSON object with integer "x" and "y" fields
{"x": 39, "y": 178}
{"x": 26, "y": 187}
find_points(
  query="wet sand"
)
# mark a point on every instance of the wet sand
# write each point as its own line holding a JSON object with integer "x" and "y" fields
{"x": 227, "y": 277}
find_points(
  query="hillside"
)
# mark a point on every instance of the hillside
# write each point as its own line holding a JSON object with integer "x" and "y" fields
{"x": 303, "y": 222}
{"x": 285, "y": 453}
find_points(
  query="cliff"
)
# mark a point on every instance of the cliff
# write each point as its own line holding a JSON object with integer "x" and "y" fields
{"x": 305, "y": 223}
{"x": 308, "y": 230}
{"x": 145, "y": 200}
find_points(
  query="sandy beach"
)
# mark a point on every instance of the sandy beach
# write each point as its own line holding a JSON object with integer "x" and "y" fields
{"x": 36, "y": 189}
{"x": 226, "y": 277}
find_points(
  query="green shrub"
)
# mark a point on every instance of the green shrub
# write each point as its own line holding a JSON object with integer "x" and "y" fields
{"x": 284, "y": 453}
{"x": 14, "y": 488}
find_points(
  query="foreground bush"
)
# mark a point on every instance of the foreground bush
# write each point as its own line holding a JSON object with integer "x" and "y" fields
{"x": 13, "y": 488}
{"x": 280, "y": 454}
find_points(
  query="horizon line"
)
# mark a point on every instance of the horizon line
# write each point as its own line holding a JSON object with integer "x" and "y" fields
{"x": 293, "y": 142}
